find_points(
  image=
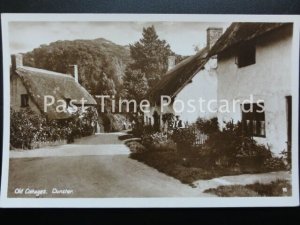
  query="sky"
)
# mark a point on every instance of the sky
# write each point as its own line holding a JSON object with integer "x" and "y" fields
{"x": 182, "y": 36}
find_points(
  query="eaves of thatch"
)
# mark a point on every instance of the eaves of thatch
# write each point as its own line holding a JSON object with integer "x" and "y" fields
{"x": 179, "y": 76}
{"x": 40, "y": 83}
{"x": 238, "y": 33}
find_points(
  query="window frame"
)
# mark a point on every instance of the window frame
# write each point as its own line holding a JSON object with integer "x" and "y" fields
{"x": 252, "y": 121}
{"x": 241, "y": 57}
{"x": 24, "y": 100}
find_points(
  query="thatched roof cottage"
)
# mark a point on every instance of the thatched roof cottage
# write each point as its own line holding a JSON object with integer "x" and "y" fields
{"x": 256, "y": 59}
{"x": 190, "y": 79}
{"x": 29, "y": 86}
{"x": 253, "y": 60}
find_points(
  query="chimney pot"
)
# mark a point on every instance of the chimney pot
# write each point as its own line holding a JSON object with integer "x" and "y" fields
{"x": 16, "y": 61}
{"x": 171, "y": 62}
{"x": 212, "y": 35}
{"x": 75, "y": 73}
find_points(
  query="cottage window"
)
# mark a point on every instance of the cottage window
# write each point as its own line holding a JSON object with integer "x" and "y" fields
{"x": 253, "y": 118}
{"x": 246, "y": 55}
{"x": 24, "y": 100}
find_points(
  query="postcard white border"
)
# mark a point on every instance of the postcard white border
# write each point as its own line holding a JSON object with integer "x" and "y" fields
{"x": 149, "y": 202}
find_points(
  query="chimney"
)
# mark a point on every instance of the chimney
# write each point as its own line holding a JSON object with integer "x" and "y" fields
{"x": 75, "y": 73}
{"x": 16, "y": 61}
{"x": 171, "y": 62}
{"x": 212, "y": 35}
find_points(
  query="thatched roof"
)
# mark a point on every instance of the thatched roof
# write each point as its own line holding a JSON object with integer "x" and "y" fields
{"x": 40, "y": 83}
{"x": 238, "y": 33}
{"x": 176, "y": 78}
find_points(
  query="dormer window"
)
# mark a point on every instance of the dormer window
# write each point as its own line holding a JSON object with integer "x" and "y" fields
{"x": 246, "y": 55}
{"x": 24, "y": 100}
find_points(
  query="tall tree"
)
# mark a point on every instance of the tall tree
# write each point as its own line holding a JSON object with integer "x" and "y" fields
{"x": 150, "y": 55}
{"x": 135, "y": 84}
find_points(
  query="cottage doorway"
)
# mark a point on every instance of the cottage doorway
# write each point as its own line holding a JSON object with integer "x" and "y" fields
{"x": 289, "y": 126}
{"x": 156, "y": 124}
{"x": 98, "y": 129}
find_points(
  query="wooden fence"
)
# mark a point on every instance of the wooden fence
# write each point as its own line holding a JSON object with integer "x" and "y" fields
{"x": 200, "y": 137}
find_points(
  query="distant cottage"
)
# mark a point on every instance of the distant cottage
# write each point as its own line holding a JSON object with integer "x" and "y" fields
{"x": 190, "y": 79}
{"x": 29, "y": 85}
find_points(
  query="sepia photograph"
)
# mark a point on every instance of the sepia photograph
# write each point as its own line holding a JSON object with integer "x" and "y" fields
{"x": 126, "y": 111}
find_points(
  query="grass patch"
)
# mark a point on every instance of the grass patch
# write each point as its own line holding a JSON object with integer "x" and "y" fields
{"x": 179, "y": 167}
{"x": 186, "y": 167}
{"x": 275, "y": 188}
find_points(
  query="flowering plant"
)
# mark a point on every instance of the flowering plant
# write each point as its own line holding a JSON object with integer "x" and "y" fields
{"x": 28, "y": 127}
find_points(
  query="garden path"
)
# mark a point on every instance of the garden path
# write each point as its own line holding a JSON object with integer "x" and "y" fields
{"x": 99, "y": 144}
{"x": 95, "y": 166}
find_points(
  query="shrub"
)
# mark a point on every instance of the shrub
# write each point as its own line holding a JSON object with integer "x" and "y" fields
{"x": 184, "y": 137}
{"x": 136, "y": 147}
{"x": 147, "y": 140}
{"x": 286, "y": 157}
{"x": 159, "y": 137}
{"x": 274, "y": 163}
{"x": 230, "y": 147}
{"x": 140, "y": 130}
{"x": 169, "y": 119}
{"x": 24, "y": 128}
{"x": 148, "y": 129}
{"x": 158, "y": 141}
{"x": 28, "y": 127}
{"x": 208, "y": 126}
